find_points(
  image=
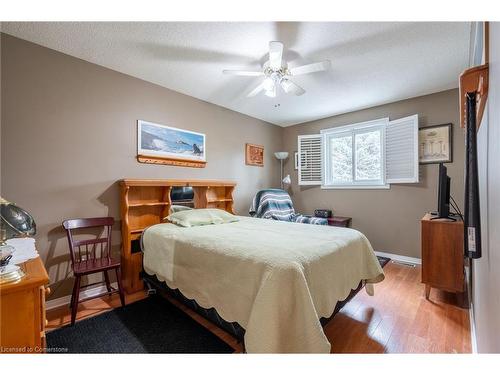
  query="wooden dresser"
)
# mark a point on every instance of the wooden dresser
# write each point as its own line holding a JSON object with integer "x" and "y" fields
{"x": 443, "y": 255}
{"x": 147, "y": 202}
{"x": 22, "y": 310}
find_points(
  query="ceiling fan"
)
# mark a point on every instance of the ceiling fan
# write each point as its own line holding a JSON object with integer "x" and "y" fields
{"x": 277, "y": 74}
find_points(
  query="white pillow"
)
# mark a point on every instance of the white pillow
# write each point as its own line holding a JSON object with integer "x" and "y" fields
{"x": 177, "y": 208}
{"x": 202, "y": 216}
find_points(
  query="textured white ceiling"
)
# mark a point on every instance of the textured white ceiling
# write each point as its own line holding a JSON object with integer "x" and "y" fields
{"x": 372, "y": 63}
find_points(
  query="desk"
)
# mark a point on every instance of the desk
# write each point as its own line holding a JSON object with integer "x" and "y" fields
{"x": 339, "y": 221}
{"x": 22, "y": 310}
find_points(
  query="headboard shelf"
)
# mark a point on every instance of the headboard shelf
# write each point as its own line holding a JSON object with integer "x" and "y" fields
{"x": 140, "y": 204}
{"x": 220, "y": 200}
{"x": 145, "y": 202}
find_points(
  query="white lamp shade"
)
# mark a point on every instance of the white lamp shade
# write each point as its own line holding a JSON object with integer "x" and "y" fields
{"x": 282, "y": 155}
{"x": 287, "y": 180}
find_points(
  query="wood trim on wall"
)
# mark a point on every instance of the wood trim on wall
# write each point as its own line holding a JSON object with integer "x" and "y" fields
{"x": 171, "y": 161}
{"x": 399, "y": 258}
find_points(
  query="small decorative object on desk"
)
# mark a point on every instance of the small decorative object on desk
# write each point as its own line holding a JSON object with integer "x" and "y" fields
{"x": 24, "y": 249}
{"x": 15, "y": 222}
{"x": 5, "y": 254}
{"x": 9, "y": 271}
{"x": 323, "y": 212}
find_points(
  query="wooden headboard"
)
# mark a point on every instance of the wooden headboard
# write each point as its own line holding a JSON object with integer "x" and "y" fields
{"x": 147, "y": 202}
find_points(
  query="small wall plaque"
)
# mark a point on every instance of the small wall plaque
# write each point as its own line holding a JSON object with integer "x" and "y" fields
{"x": 254, "y": 155}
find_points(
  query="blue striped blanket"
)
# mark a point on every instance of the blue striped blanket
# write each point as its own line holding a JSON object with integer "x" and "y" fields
{"x": 276, "y": 204}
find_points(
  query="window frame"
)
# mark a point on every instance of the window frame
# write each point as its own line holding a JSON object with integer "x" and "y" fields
{"x": 352, "y": 130}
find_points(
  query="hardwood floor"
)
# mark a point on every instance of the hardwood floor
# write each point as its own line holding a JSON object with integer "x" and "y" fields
{"x": 398, "y": 319}
{"x": 61, "y": 316}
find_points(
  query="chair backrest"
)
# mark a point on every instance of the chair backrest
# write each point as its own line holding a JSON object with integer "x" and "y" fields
{"x": 87, "y": 249}
{"x": 273, "y": 204}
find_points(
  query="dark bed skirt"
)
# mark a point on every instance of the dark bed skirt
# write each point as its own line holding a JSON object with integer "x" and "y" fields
{"x": 211, "y": 314}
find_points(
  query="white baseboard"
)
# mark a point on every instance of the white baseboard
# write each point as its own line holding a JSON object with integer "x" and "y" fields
{"x": 400, "y": 258}
{"x": 472, "y": 321}
{"x": 84, "y": 293}
{"x": 472, "y": 329}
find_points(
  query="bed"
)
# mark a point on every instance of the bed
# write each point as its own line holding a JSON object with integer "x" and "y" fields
{"x": 274, "y": 279}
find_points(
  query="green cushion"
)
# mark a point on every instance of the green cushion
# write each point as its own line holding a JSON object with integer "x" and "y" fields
{"x": 203, "y": 216}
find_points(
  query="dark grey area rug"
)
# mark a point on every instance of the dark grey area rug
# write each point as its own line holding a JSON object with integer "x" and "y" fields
{"x": 383, "y": 261}
{"x": 152, "y": 325}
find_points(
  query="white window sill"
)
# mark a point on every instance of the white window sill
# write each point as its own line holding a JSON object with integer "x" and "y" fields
{"x": 355, "y": 187}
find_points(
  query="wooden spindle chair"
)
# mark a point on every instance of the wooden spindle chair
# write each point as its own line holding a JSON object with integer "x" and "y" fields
{"x": 87, "y": 259}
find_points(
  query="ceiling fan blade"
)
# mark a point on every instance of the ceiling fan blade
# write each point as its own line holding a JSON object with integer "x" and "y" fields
{"x": 291, "y": 88}
{"x": 311, "y": 68}
{"x": 256, "y": 90}
{"x": 247, "y": 73}
{"x": 275, "y": 55}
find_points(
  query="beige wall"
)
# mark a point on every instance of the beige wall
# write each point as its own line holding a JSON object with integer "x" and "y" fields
{"x": 389, "y": 218}
{"x": 486, "y": 270}
{"x": 69, "y": 133}
{"x": 0, "y": 114}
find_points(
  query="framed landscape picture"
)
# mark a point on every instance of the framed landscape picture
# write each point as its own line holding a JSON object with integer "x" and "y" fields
{"x": 254, "y": 155}
{"x": 161, "y": 144}
{"x": 435, "y": 144}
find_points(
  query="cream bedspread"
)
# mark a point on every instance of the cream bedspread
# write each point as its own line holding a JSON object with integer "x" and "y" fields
{"x": 276, "y": 279}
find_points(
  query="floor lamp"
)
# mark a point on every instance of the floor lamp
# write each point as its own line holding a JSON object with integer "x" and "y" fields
{"x": 282, "y": 155}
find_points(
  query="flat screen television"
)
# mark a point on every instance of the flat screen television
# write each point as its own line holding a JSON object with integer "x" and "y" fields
{"x": 182, "y": 196}
{"x": 443, "y": 211}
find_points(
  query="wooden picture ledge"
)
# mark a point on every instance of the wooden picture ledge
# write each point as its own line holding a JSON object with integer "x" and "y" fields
{"x": 474, "y": 80}
{"x": 171, "y": 161}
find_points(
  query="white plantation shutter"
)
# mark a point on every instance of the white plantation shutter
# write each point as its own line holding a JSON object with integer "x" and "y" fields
{"x": 401, "y": 149}
{"x": 310, "y": 160}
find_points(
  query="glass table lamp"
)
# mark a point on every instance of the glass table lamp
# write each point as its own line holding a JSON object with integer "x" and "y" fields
{"x": 14, "y": 222}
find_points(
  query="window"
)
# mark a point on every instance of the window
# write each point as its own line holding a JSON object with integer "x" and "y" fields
{"x": 354, "y": 155}
{"x": 371, "y": 154}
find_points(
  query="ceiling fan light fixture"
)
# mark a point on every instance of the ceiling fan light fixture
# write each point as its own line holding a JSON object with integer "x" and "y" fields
{"x": 277, "y": 72}
{"x": 268, "y": 84}
{"x": 271, "y": 93}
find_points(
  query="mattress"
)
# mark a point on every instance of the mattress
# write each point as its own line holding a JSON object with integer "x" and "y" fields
{"x": 275, "y": 279}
